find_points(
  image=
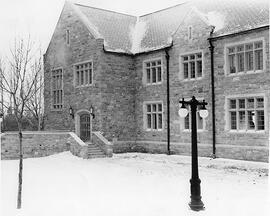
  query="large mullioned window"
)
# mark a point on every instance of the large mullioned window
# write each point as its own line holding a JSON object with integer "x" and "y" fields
{"x": 153, "y": 71}
{"x": 246, "y": 114}
{"x": 191, "y": 65}
{"x": 153, "y": 116}
{"x": 245, "y": 57}
{"x": 83, "y": 74}
{"x": 57, "y": 89}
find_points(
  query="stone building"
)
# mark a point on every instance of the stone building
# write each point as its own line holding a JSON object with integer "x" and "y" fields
{"x": 124, "y": 66}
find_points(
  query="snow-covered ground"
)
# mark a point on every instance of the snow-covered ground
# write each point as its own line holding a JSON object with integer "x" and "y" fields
{"x": 133, "y": 184}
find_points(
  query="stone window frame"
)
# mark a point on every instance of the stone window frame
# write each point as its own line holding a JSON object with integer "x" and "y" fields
{"x": 52, "y": 99}
{"x": 145, "y": 103}
{"x": 245, "y": 96}
{"x": 181, "y": 65}
{"x": 75, "y": 77}
{"x": 244, "y": 43}
{"x": 144, "y": 77}
{"x": 182, "y": 120}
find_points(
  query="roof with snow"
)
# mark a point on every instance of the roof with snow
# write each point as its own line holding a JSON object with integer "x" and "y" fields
{"x": 130, "y": 34}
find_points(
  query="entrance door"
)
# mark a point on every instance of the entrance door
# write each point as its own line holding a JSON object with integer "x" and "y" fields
{"x": 85, "y": 127}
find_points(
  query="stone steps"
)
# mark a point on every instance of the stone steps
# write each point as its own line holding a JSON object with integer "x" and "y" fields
{"x": 94, "y": 151}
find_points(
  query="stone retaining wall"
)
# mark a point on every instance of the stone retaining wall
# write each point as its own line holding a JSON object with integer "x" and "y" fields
{"x": 39, "y": 144}
{"x": 257, "y": 153}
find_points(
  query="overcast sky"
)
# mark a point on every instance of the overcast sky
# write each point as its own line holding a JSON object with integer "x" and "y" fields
{"x": 39, "y": 17}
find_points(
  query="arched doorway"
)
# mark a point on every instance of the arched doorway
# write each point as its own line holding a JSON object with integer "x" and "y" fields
{"x": 83, "y": 125}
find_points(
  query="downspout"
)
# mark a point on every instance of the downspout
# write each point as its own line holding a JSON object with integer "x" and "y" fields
{"x": 211, "y": 47}
{"x": 168, "y": 100}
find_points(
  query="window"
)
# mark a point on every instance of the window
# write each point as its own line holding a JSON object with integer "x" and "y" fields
{"x": 245, "y": 57}
{"x": 84, "y": 74}
{"x": 154, "y": 116}
{"x": 67, "y": 37}
{"x": 191, "y": 65}
{"x": 57, "y": 89}
{"x": 153, "y": 71}
{"x": 246, "y": 114}
{"x": 200, "y": 121}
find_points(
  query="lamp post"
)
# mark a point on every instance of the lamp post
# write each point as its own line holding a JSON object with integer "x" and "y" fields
{"x": 1, "y": 119}
{"x": 196, "y": 203}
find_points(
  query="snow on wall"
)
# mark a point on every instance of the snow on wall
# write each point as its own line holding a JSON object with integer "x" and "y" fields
{"x": 213, "y": 18}
{"x": 137, "y": 33}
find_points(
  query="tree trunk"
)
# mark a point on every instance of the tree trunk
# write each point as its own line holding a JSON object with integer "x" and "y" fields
{"x": 19, "y": 198}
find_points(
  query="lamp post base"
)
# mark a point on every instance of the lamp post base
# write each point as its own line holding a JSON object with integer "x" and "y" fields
{"x": 196, "y": 204}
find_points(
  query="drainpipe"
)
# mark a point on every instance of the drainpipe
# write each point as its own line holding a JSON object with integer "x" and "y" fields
{"x": 211, "y": 47}
{"x": 168, "y": 100}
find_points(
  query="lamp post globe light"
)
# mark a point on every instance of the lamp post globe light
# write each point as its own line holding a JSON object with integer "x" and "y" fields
{"x": 196, "y": 203}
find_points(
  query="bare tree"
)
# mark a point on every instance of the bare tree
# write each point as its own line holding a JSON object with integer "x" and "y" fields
{"x": 35, "y": 104}
{"x": 18, "y": 81}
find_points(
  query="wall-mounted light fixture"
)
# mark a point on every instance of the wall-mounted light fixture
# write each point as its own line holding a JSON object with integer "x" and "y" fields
{"x": 91, "y": 110}
{"x": 71, "y": 112}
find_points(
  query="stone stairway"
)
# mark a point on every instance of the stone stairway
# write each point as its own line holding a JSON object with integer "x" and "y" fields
{"x": 94, "y": 151}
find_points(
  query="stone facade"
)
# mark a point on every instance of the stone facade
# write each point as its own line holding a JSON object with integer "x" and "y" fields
{"x": 118, "y": 92}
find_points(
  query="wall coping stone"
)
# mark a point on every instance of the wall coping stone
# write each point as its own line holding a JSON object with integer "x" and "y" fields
{"x": 102, "y": 138}
{"x": 77, "y": 139}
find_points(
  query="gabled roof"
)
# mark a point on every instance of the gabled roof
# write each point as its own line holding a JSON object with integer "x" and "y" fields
{"x": 129, "y": 34}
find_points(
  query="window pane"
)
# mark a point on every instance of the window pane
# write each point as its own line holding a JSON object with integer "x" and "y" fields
{"x": 240, "y": 48}
{"x": 232, "y": 63}
{"x": 192, "y": 69}
{"x": 199, "y": 121}
{"x": 159, "y": 121}
{"x": 240, "y": 62}
{"x": 192, "y": 56}
{"x": 154, "y": 75}
{"x": 187, "y": 122}
{"x": 233, "y": 121}
{"x": 159, "y": 62}
{"x": 148, "y": 108}
{"x": 149, "y": 121}
{"x": 199, "y": 55}
{"x": 250, "y": 103}
{"x": 160, "y": 107}
{"x": 260, "y": 103}
{"x": 185, "y": 70}
{"x": 260, "y": 120}
{"x": 148, "y": 75}
{"x": 251, "y": 120}
{"x": 258, "y": 45}
{"x": 153, "y": 63}
{"x": 249, "y": 47}
{"x": 90, "y": 76}
{"x": 78, "y": 78}
{"x": 249, "y": 60}
{"x": 258, "y": 60}
{"x": 154, "y": 106}
{"x": 86, "y": 77}
{"x": 148, "y": 64}
{"x": 154, "y": 118}
{"x": 159, "y": 74}
{"x": 199, "y": 68}
{"x": 233, "y": 104}
{"x": 231, "y": 50}
{"x": 82, "y": 78}
{"x": 185, "y": 58}
{"x": 242, "y": 120}
{"x": 241, "y": 103}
